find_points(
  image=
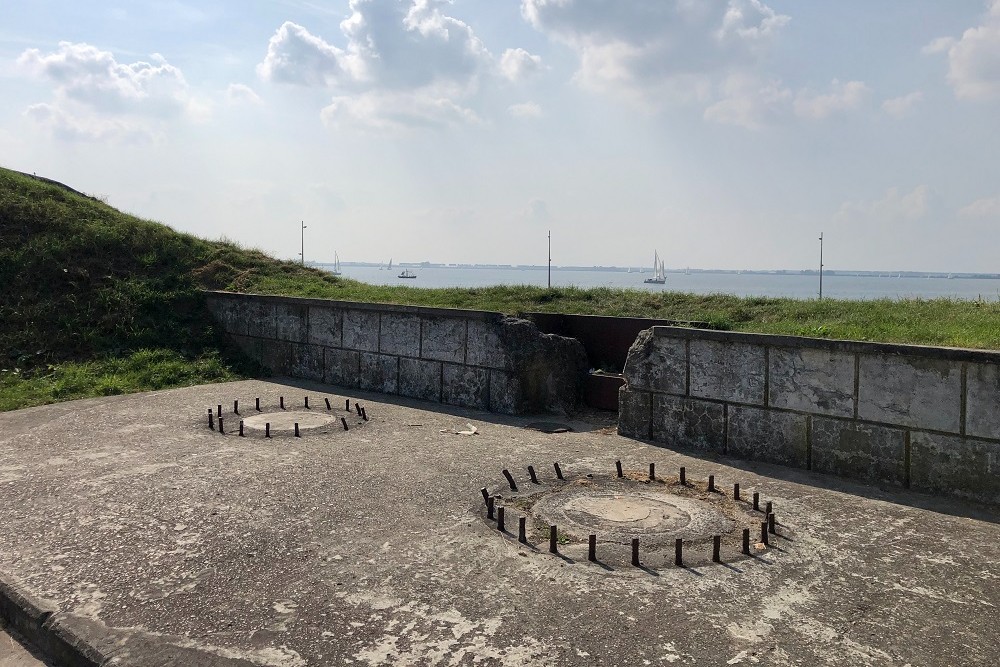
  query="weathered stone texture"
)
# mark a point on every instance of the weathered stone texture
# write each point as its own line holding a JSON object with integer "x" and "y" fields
{"x": 634, "y": 412}
{"x": 955, "y": 465}
{"x": 259, "y": 319}
{"x": 982, "y": 410}
{"x": 400, "y": 334}
{"x": 484, "y": 346}
{"x": 910, "y": 391}
{"x": 767, "y": 435}
{"x": 505, "y": 393}
{"x": 420, "y": 379}
{"x": 688, "y": 423}
{"x": 857, "y": 450}
{"x": 291, "y": 322}
{"x": 342, "y": 367}
{"x": 816, "y": 381}
{"x": 443, "y": 339}
{"x": 276, "y": 356}
{"x": 657, "y": 363}
{"x": 466, "y": 386}
{"x": 379, "y": 372}
{"x": 229, "y": 315}
{"x": 360, "y": 330}
{"x": 326, "y": 326}
{"x": 727, "y": 371}
{"x": 307, "y": 362}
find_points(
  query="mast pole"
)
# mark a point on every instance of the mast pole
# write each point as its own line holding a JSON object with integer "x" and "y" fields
{"x": 821, "y": 266}
{"x": 550, "y": 259}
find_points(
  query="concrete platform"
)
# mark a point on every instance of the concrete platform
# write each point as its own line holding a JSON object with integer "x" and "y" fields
{"x": 164, "y": 542}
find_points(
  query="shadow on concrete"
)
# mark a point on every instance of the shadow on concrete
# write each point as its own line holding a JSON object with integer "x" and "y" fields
{"x": 896, "y": 495}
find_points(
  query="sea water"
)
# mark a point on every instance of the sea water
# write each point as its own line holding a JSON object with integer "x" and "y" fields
{"x": 741, "y": 284}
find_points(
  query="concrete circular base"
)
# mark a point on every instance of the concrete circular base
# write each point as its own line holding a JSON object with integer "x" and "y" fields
{"x": 282, "y": 422}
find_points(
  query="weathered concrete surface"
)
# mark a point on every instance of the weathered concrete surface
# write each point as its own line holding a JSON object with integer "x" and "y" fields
{"x": 369, "y": 548}
{"x": 657, "y": 363}
{"x": 923, "y": 393}
{"x": 15, "y": 651}
{"x": 816, "y": 381}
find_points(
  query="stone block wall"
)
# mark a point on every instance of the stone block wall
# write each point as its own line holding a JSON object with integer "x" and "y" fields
{"x": 920, "y": 417}
{"x": 460, "y": 357}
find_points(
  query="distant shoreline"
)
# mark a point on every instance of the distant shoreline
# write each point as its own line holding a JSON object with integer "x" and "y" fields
{"x": 625, "y": 269}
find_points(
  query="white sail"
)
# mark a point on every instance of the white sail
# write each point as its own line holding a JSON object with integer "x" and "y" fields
{"x": 390, "y": 263}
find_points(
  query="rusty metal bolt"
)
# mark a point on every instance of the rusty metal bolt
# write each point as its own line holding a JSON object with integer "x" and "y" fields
{"x": 211, "y": 420}
{"x": 297, "y": 430}
{"x": 489, "y": 507}
{"x": 635, "y": 551}
{"x": 716, "y": 548}
{"x": 236, "y": 407}
{"x": 679, "y": 552}
{"x": 500, "y": 525}
{"x": 756, "y": 501}
{"x": 592, "y": 549}
{"x": 736, "y": 491}
{"x": 267, "y": 430}
{"x": 221, "y": 427}
{"x": 618, "y": 467}
{"x": 652, "y": 471}
{"x": 770, "y": 524}
{"x": 347, "y": 405}
{"x": 364, "y": 413}
{"x": 241, "y": 429}
{"x": 510, "y": 479}
{"x": 558, "y": 470}
{"x": 344, "y": 422}
{"x": 683, "y": 476}
{"x": 327, "y": 401}
{"x": 486, "y": 495}
{"x": 281, "y": 402}
{"x": 763, "y": 532}
{"x": 256, "y": 404}
{"x": 768, "y": 507}
{"x": 746, "y": 541}
{"x": 711, "y": 482}
{"x": 553, "y": 540}
{"x": 522, "y": 530}
{"x": 532, "y": 475}
{"x": 307, "y": 402}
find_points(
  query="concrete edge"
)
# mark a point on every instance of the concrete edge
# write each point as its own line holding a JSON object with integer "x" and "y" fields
{"x": 833, "y": 345}
{"x": 40, "y": 622}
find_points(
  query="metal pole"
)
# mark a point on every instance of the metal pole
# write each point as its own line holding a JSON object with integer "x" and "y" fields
{"x": 302, "y": 254}
{"x": 821, "y": 265}
{"x": 550, "y": 259}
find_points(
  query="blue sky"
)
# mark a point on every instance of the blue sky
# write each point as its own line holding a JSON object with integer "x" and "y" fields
{"x": 724, "y": 133}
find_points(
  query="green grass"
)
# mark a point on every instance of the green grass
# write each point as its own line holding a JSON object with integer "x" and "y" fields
{"x": 94, "y": 302}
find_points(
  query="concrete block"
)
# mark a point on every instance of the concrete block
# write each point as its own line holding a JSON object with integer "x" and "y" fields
{"x": 228, "y": 314}
{"x": 252, "y": 347}
{"x": 911, "y": 391}
{"x": 379, "y": 372}
{"x": 342, "y": 367}
{"x": 816, "y": 381}
{"x": 259, "y": 318}
{"x": 466, "y": 386}
{"x": 634, "y": 413}
{"x": 982, "y": 403}
{"x": 767, "y": 435}
{"x": 688, "y": 423}
{"x": 727, "y": 371}
{"x": 276, "y": 356}
{"x": 484, "y": 346}
{"x": 657, "y": 363}
{"x": 443, "y": 339}
{"x": 360, "y": 330}
{"x": 291, "y": 322}
{"x": 506, "y": 397}
{"x": 400, "y": 335}
{"x": 955, "y": 465}
{"x": 859, "y": 451}
{"x": 326, "y": 326}
{"x": 307, "y": 362}
{"x": 420, "y": 379}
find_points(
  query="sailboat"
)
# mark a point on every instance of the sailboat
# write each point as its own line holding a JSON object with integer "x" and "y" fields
{"x": 336, "y": 263}
{"x": 407, "y": 274}
{"x": 659, "y": 273}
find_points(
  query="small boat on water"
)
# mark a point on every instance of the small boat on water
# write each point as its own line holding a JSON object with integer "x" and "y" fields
{"x": 659, "y": 273}
{"x": 407, "y": 274}
{"x": 336, "y": 263}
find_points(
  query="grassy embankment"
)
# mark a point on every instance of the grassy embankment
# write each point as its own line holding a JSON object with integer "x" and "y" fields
{"x": 97, "y": 302}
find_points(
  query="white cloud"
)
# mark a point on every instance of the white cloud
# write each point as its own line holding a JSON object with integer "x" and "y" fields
{"x": 974, "y": 58}
{"x": 381, "y": 111}
{"x": 895, "y": 206}
{"x": 537, "y": 210}
{"x": 657, "y": 52}
{"x": 898, "y": 107}
{"x": 96, "y": 97}
{"x": 239, "y": 93}
{"x": 525, "y": 110}
{"x": 518, "y": 64}
{"x": 402, "y": 64}
{"x": 748, "y": 102}
{"x": 982, "y": 208}
{"x": 841, "y": 97}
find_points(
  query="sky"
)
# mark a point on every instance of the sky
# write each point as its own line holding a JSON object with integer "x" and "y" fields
{"x": 720, "y": 133}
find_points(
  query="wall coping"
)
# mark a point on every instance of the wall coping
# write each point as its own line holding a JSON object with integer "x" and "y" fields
{"x": 483, "y": 315}
{"x": 832, "y": 345}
